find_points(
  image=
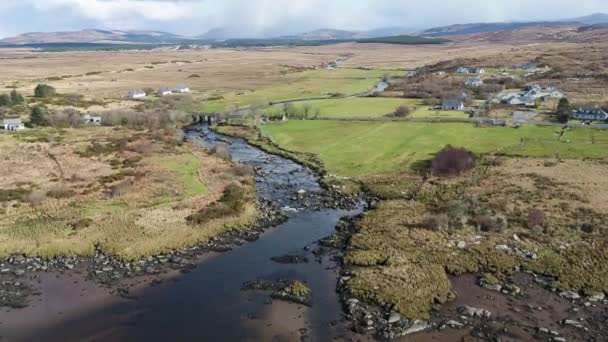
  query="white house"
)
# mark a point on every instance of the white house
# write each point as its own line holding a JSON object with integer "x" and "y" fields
{"x": 452, "y": 104}
{"x": 91, "y": 119}
{"x": 473, "y": 82}
{"x": 182, "y": 89}
{"x": 164, "y": 91}
{"x": 13, "y": 124}
{"x": 136, "y": 94}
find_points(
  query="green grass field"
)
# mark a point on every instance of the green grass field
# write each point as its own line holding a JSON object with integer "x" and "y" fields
{"x": 365, "y": 148}
{"x": 371, "y": 107}
{"x": 302, "y": 85}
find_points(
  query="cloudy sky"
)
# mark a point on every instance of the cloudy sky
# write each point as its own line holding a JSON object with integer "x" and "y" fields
{"x": 274, "y": 17}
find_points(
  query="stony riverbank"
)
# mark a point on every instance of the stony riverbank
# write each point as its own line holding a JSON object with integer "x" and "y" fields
{"x": 17, "y": 271}
{"x": 524, "y": 306}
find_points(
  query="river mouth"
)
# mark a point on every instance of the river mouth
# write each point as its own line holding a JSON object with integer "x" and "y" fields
{"x": 207, "y": 303}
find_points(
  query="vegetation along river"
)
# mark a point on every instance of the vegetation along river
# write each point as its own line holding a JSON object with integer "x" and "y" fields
{"x": 209, "y": 302}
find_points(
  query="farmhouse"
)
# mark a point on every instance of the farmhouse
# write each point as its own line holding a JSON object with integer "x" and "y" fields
{"x": 136, "y": 94}
{"x": 470, "y": 70}
{"x": 473, "y": 82}
{"x": 13, "y": 124}
{"x": 452, "y": 104}
{"x": 91, "y": 119}
{"x": 182, "y": 89}
{"x": 591, "y": 114}
{"x": 164, "y": 91}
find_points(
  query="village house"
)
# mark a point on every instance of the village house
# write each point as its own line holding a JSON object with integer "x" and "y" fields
{"x": 470, "y": 70}
{"x": 182, "y": 89}
{"x": 452, "y": 104}
{"x": 136, "y": 94}
{"x": 88, "y": 119}
{"x": 525, "y": 100}
{"x": 473, "y": 82}
{"x": 591, "y": 114}
{"x": 164, "y": 91}
{"x": 13, "y": 124}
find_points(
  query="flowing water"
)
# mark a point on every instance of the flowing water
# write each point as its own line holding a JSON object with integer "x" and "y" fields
{"x": 207, "y": 304}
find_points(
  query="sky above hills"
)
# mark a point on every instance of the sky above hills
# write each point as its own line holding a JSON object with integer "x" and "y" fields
{"x": 253, "y": 18}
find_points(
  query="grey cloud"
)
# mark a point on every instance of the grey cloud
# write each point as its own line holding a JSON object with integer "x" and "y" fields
{"x": 257, "y": 17}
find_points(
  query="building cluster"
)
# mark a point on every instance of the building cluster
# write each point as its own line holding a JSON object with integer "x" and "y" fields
{"x": 529, "y": 96}
{"x": 163, "y": 91}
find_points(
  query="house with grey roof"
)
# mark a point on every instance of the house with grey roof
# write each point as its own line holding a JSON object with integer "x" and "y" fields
{"x": 13, "y": 124}
{"x": 591, "y": 114}
{"x": 452, "y": 104}
{"x": 473, "y": 82}
{"x": 470, "y": 70}
{"x": 136, "y": 94}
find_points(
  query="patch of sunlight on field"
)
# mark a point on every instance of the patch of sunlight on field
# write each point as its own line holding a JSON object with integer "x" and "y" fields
{"x": 186, "y": 167}
{"x": 302, "y": 85}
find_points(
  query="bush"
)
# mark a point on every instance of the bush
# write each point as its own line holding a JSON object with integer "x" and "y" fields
{"x": 232, "y": 203}
{"x": 402, "y": 111}
{"x": 452, "y": 161}
{"x": 121, "y": 188}
{"x": 536, "y": 218}
{"x": 436, "y": 222}
{"x": 39, "y": 116}
{"x": 242, "y": 170}
{"x": 221, "y": 151}
{"x": 34, "y": 198}
{"x": 60, "y": 191}
{"x": 43, "y": 90}
{"x": 487, "y": 223}
{"x": 65, "y": 118}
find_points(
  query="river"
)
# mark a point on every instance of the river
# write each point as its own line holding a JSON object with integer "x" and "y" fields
{"x": 207, "y": 304}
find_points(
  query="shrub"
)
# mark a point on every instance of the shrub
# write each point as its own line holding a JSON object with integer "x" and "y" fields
{"x": 121, "y": 188}
{"x": 65, "y": 118}
{"x": 536, "y": 218}
{"x": 437, "y": 222}
{"x": 221, "y": 151}
{"x": 44, "y": 90}
{"x": 402, "y": 111}
{"x": 5, "y": 100}
{"x": 232, "y": 203}
{"x": 60, "y": 191}
{"x": 39, "y": 116}
{"x": 487, "y": 223}
{"x": 452, "y": 161}
{"x": 34, "y": 198}
{"x": 242, "y": 170}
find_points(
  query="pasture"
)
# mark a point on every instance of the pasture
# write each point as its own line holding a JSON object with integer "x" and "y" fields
{"x": 365, "y": 148}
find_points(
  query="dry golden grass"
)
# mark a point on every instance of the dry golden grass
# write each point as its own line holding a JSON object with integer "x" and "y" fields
{"x": 117, "y": 72}
{"x": 400, "y": 263}
{"x": 128, "y": 201}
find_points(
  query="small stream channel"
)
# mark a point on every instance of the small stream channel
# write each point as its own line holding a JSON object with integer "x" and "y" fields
{"x": 207, "y": 304}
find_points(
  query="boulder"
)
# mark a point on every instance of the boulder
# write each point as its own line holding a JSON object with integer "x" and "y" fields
{"x": 570, "y": 295}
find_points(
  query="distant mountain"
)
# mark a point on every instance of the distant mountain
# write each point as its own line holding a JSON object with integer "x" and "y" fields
{"x": 476, "y": 28}
{"x": 389, "y": 31}
{"x": 94, "y": 36}
{"x": 592, "y": 19}
{"x": 220, "y": 33}
{"x": 465, "y": 29}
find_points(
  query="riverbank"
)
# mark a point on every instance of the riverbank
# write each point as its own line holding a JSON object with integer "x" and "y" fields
{"x": 211, "y": 285}
{"x": 507, "y": 216}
